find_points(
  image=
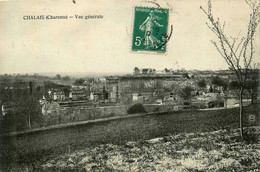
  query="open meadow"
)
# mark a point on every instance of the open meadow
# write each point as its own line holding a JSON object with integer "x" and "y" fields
{"x": 170, "y": 141}
{"x": 210, "y": 151}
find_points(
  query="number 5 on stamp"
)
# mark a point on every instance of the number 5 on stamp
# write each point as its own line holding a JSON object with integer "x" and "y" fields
{"x": 150, "y": 29}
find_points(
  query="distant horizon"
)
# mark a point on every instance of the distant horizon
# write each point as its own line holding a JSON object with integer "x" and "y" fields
{"x": 100, "y": 73}
{"x": 113, "y": 72}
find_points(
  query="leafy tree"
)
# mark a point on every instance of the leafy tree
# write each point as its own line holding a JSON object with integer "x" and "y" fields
{"x": 79, "y": 81}
{"x": 234, "y": 85}
{"x": 186, "y": 93}
{"x": 48, "y": 85}
{"x": 31, "y": 87}
{"x": 237, "y": 51}
{"x": 58, "y": 76}
{"x": 136, "y": 108}
{"x": 217, "y": 81}
{"x": 23, "y": 114}
{"x": 66, "y": 78}
{"x": 160, "y": 93}
{"x": 29, "y": 109}
{"x": 202, "y": 83}
{"x": 38, "y": 88}
{"x": 66, "y": 91}
{"x": 90, "y": 80}
{"x": 185, "y": 75}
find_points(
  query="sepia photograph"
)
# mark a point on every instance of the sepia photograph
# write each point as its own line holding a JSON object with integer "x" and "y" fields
{"x": 129, "y": 85}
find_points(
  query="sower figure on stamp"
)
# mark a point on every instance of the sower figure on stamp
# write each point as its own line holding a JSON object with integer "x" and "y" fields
{"x": 147, "y": 26}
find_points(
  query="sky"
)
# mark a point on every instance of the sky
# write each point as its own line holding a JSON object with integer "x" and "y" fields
{"x": 104, "y": 45}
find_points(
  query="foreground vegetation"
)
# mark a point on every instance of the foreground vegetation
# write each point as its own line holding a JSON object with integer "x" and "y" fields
{"x": 210, "y": 151}
{"x": 48, "y": 147}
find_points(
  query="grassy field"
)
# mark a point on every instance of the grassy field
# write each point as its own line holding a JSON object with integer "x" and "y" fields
{"x": 49, "y": 147}
{"x": 210, "y": 151}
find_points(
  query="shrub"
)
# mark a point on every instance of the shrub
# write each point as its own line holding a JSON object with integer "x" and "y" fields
{"x": 109, "y": 115}
{"x": 186, "y": 103}
{"x": 202, "y": 83}
{"x": 156, "y": 109}
{"x": 186, "y": 93}
{"x": 250, "y": 135}
{"x": 136, "y": 108}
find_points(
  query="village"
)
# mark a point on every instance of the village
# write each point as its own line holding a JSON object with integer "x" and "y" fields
{"x": 102, "y": 97}
{"x": 148, "y": 86}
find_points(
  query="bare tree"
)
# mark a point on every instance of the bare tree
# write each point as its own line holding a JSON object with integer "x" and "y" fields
{"x": 237, "y": 51}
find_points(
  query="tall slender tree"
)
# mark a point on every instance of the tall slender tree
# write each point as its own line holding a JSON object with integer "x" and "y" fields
{"x": 237, "y": 51}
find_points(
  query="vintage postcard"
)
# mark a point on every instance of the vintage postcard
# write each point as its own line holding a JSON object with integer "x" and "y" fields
{"x": 129, "y": 85}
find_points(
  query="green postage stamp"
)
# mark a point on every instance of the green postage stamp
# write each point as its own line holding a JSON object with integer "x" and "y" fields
{"x": 150, "y": 29}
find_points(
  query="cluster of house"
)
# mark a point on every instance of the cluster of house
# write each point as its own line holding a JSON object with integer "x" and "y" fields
{"x": 152, "y": 71}
{"x": 143, "y": 87}
{"x": 102, "y": 92}
{"x": 146, "y": 85}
